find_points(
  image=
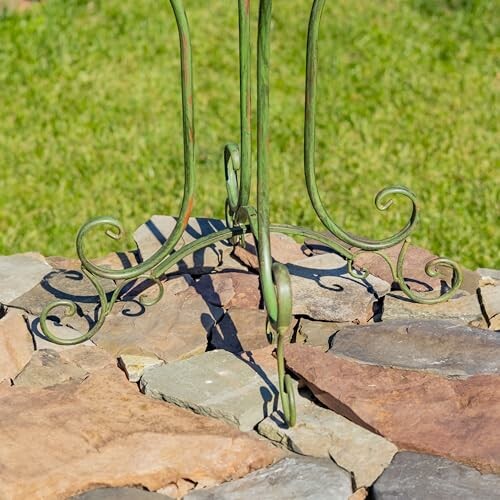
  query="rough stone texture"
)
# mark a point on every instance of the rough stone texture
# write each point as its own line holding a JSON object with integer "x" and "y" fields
{"x": 5, "y": 388}
{"x": 360, "y": 494}
{"x": 464, "y": 308}
{"x": 417, "y": 411}
{"x": 20, "y": 273}
{"x": 134, "y": 365}
{"x": 471, "y": 280}
{"x": 320, "y": 432}
{"x": 489, "y": 276}
{"x": 283, "y": 248}
{"x": 323, "y": 290}
{"x": 16, "y": 344}
{"x": 115, "y": 260}
{"x": 240, "y": 330}
{"x": 490, "y": 300}
{"x": 444, "y": 347}
{"x": 292, "y": 478}
{"x": 318, "y": 333}
{"x": 89, "y": 358}
{"x": 318, "y": 248}
{"x": 230, "y": 289}
{"x": 47, "y": 368}
{"x": 150, "y": 237}
{"x": 119, "y": 494}
{"x": 426, "y": 477}
{"x": 175, "y": 328}
{"x": 217, "y": 384}
{"x": 67, "y": 439}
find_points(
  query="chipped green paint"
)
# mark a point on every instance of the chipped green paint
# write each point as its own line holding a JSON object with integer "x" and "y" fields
{"x": 241, "y": 217}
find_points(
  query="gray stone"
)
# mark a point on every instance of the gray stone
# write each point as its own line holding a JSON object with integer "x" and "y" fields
{"x": 317, "y": 333}
{"x": 296, "y": 478}
{"x": 489, "y": 276}
{"x": 324, "y": 290}
{"x": 489, "y": 297}
{"x": 46, "y": 368}
{"x": 320, "y": 432}
{"x": 464, "y": 308}
{"x": 218, "y": 384}
{"x": 426, "y": 477}
{"x": 20, "y": 273}
{"x": 445, "y": 347}
{"x": 471, "y": 280}
{"x": 155, "y": 232}
{"x": 119, "y": 494}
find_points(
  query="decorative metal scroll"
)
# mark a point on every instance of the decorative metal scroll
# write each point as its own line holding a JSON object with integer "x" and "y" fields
{"x": 241, "y": 217}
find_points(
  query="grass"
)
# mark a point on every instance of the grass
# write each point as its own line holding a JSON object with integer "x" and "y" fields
{"x": 90, "y": 117}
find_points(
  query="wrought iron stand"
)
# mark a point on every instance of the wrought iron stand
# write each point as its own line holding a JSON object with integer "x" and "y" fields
{"x": 241, "y": 217}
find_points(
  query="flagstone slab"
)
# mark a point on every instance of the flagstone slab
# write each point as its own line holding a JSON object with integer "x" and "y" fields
{"x": 318, "y": 333}
{"x": 324, "y": 290}
{"x": 320, "y": 432}
{"x": 417, "y": 411}
{"x": 293, "y": 478}
{"x": 67, "y": 439}
{"x": 175, "y": 328}
{"x": 134, "y": 364}
{"x": 489, "y": 297}
{"x": 446, "y": 347}
{"x": 20, "y": 273}
{"x": 426, "y": 477}
{"x": 114, "y": 260}
{"x": 489, "y": 276}
{"x": 119, "y": 494}
{"x": 218, "y": 384}
{"x": 16, "y": 344}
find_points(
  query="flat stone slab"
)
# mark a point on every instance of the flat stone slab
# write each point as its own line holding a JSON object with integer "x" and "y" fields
{"x": 16, "y": 344}
{"x": 292, "y": 478}
{"x": 69, "y": 438}
{"x": 119, "y": 494}
{"x": 20, "y": 273}
{"x": 320, "y": 432}
{"x": 218, "y": 384}
{"x": 426, "y": 477}
{"x": 464, "y": 308}
{"x": 318, "y": 333}
{"x": 324, "y": 290}
{"x": 445, "y": 347}
{"x": 415, "y": 410}
{"x": 489, "y": 297}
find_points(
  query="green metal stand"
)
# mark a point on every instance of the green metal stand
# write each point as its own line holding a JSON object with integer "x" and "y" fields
{"x": 241, "y": 217}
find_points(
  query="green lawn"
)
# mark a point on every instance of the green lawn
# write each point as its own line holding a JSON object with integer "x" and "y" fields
{"x": 90, "y": 117}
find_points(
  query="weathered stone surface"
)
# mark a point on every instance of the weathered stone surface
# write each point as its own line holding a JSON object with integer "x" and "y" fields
{"x": 318, "y": 333}
{"x": 240, "y": 330}
{"x": 230, "y": 289}
{"x": 297, "y": 477}
{"x": 323, "y": 290}
{"x": 471, "y": 280}
{"x": 150, "y": 237}
{"x": 320, "y": 432}
{"x": 19, "y": 274}
{"x": 119, "y": 494}
{"x": 64, "y": 440}
{"x": 5, "y": 388}
{"x": 217, "y": 384}
{"x": 444, "y": 347}
{"x": 489, "y": 276}
{"x": 283, "y": 248}
{"x": 417, "y": 411}
{"x": 489, "y": 297}
{"x": 89, "y": 358}
{"x": 318, "y": 248}
{"x": 134, "y": 365}
{"x": 16, "y": 344}
{"x": 115, "y": 260}
{"x": 463, "y": 308}
{"x": 360, "y": 494}
{"x": 175, "y": 328}
{"x": 46, "y": 368}
{"x": 426, "y": 477}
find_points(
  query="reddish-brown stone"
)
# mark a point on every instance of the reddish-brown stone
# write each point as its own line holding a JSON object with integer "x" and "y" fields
{"x": 454, "y": 418}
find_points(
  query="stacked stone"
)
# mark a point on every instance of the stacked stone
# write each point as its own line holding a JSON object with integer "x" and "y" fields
{"x": 394, "y": 399}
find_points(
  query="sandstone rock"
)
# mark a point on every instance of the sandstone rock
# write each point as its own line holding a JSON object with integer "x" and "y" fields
{"x": 490, "y": 301}
{"x": 150, "y": 237}
{"x": 320, "y": 432}
{"x": 292, "y": 478}
{"x": 284, "y": 249}
{"x": 89, "y": 358}
{"x": 323, "y": 290}
{"x": 471, "y": 281}
{"x": 46, "y": 368}
{"x": 135, "y": 364}
{"x": 115, "y": 260}
{"x": 20, "y": 273}
{"x": 444, "y": 347}
{"x": 67, "y": 439}
{"x": 318, "y": 248}
{"x": 119, "y": 494}
{"x": 463, "y": 308}
{"x": 230, "y": 289}
{"x": 5, "y": 388}
{"x": 318, "y": 333}
{"x": 426, "y": 477}
{"x": 489, "y": 276}
{"x": 175, "y": 328}
{"x": 417, "y": 411}
{"x": 217, "y": 384}
{"x": 360, "y": 494}
{"x": 240, "y": 330}
{"x": 16, "y": 344}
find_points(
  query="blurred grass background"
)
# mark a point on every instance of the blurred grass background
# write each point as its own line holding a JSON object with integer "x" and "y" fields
{"x": 90, "y": 117}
